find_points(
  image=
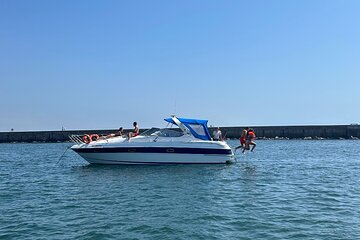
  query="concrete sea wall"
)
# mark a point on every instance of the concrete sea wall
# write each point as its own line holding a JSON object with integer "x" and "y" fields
{"x": 45, "y": 136}
{"x": 314, "y": 132}
{"x": 291, "y": 132}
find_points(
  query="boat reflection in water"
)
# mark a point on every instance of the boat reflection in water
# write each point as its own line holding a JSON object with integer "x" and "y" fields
{"x": 190, "y": 143}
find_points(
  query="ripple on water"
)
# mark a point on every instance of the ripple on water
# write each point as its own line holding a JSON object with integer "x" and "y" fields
{"x": 284, "y": 190}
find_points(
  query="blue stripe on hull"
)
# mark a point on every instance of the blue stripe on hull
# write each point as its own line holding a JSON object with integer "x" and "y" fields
{"x": 154, "y": 150}
{"x": 152, "y": 163}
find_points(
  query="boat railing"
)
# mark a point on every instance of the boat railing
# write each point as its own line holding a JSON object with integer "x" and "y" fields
{"x": 78, "y": 139}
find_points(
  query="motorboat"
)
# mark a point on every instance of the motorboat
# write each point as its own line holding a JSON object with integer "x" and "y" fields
{"x": 188, "y": 143}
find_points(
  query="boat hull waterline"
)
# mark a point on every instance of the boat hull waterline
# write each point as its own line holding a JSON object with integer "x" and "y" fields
{"x": 155, "y": 155}
{"x": 154, "y": 158}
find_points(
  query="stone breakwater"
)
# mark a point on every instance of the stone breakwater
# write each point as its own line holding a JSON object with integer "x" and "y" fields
{"x": 299, "y": 132}
{"x": 262, "y": 132}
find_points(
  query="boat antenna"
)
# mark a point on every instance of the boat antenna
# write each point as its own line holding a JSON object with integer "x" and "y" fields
{"x": 175, "y": 107}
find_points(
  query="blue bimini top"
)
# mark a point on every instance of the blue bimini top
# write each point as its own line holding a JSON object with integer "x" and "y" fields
{"x": 197, "y": 127}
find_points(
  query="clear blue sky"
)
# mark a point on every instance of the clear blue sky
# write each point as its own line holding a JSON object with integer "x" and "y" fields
{"x": 104, "y": 64}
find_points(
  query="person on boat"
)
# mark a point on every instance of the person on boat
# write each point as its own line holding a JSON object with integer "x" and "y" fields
{"x": 135, "y": 132}
{"x": 119, "y": 133}
{"x": 250, "y": 137}
{"x": 217, "y": 135}
{"x": 243, "y": 138}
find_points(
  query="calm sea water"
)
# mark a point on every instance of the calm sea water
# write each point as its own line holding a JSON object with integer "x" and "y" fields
{"x": 284, "y": 190}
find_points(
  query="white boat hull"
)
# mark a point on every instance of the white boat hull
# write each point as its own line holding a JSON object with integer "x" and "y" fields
{"x": 156, "y": 158}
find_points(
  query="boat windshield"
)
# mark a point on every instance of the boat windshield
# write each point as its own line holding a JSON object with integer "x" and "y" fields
{"x": 165, "y": 132}
{"x": 168, "y": 133}
{"x": 149, "y": 131}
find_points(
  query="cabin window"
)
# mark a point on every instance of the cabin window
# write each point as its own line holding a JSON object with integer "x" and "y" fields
{"x": 199, "y": 129}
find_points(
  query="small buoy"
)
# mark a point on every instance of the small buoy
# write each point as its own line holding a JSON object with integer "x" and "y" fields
{"x": 86, "y": 139}
{"x": 94, "y": 137}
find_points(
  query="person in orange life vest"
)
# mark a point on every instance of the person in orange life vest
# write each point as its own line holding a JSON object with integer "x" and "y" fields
{"x": 250, "y": 137}
{"x": 243, "y": 138}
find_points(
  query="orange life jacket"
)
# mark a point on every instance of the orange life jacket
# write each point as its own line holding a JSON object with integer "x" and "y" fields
{"x": 251, "y": 135}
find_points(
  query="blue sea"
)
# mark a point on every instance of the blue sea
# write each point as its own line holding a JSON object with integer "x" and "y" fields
{"x": 285, "y": 189}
